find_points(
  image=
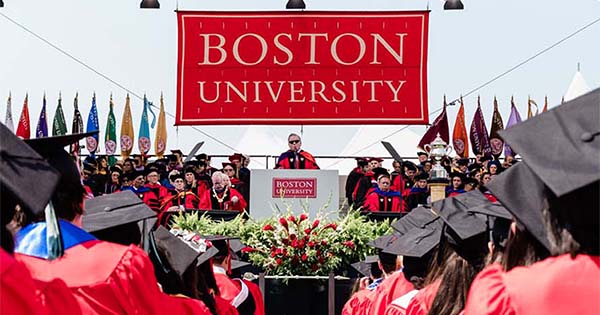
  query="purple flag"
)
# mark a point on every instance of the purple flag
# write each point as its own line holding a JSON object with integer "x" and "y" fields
{"x": 479, "y": 134}
{"x": 514, "y": 119}
{"x": 41, "y": 131}
{"x": 496, "y": 142}
{"x": 440, "y": 125}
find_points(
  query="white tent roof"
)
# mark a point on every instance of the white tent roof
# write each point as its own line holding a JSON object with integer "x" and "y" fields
{"x": 366, "y": 143}
{"x": 577, "y": 87}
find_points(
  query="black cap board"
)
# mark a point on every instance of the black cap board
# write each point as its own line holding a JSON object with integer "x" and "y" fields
{"x": 52, "y": 149}
{"x": 522, "y": 192}
{"x": 364, "y": 266}
{"x": 236, "y": 264}
{"x": 562, "y": 145}
{"x": 454, "y": 211}
{"x": 113, "y": 210}
{"x": 419, "y": 217}
{"x": 384, "y": 241}
{"x": 493, "y": 209}
{"x": 417, "y": 242}
{"x": 22, "y": 168}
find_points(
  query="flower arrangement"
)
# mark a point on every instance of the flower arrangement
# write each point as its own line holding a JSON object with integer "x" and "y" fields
{"x": 289, "y": 244}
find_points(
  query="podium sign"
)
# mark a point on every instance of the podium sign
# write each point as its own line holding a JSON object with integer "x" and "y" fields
{"x": 300, "y": 189}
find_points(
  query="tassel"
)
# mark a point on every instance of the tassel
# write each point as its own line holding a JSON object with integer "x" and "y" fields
{"x": 53, "y": 237}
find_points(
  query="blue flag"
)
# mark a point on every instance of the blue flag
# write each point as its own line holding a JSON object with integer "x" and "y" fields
{"x": 41, "y": 131}
{"x": 144, "y": 142}
{"x": 91, "y": 143}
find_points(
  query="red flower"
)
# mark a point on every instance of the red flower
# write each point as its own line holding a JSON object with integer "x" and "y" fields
{"x": 249, "y": 249}
{"x": 314, "y": 267}
{"x": 292, "y": 236}
{"x": 307, "y": 231}
{"x": 321, "y": 260}
{"x": 349, "y": 244}
{"x": 311, "y": 244}
{"x": 333, "y": 226}
{"x": 324, "y": 242}
{"x": 273, "y": 254}
{"x": 318, "y": 252}
{"x": 268, "y": 227}
{"x": 315, "y": 224}
{"x": 303, "y": 217}
{"x": 304, "y": 257}
{"x": 295, "y": 244}
{"x": 283, "y": 222}
{"x": 295, "y": 260}
{"x": 292, "y": 219}
{"x": 278, "y": 261}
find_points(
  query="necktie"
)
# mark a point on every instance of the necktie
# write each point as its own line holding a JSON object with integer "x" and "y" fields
{"x": 296, "y": 161}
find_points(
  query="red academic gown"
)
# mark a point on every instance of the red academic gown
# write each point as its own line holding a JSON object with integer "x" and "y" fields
{"x": 556, "y": 285}
{"x": 376, "y": 201}
{"x": 352, "y": 306}
{"x": 212, "y": 200}
{"x": 230, "y": 290}
{"x": 398, "y": 306}
{"x": 161, "y": 192}
{"x": 422, "y": 301}
{"x": 108, "y": 278}
{"x": 390, "y": 289}
{"x": 287, "y": 160}
{"x": 22, "y": 295}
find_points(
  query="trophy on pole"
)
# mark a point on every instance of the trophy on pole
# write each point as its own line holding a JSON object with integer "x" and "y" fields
{"x": 438, "y": 150}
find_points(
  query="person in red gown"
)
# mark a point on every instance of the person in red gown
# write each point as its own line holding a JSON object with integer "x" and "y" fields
{"x": 295, "y": 157}
{"x": 221, "y": 196}
{"x": 153, "y": 183}
{"x": 177, "y": 200}
{"x": 382, "y": 198}
{"x": 241, "y": 293}
{"x": 105, "y": 278}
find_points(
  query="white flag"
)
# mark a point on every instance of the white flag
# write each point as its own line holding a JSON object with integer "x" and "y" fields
{"x": 9, "y": 121}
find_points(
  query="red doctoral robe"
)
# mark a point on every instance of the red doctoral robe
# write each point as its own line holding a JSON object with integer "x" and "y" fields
{"x": 213, "y": 200}
{"x": 556, "y": 285}
{"x": 287, "y": 160}
{"x": 379, "y": 202}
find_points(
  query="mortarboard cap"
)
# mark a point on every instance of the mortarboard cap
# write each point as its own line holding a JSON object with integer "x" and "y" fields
{"x": 567, "y": 158}
{"x": 202, "y": 157}
{"x": 364, "y": 266}
{"x": 177, "y": 151}
{"x": 375, "y": 159}
{"x": 235, "y": 157}
{"x": 21, "y": 168}
{"x": 421, "y": 176}
{"x": 52, "y": 149}
{"x": 179, "y": 253}
{"x": 457, "y": 174}
{"x": 176, "y": 176}
{"x": 225, "y": 164}
{"x": 112, "y": 210}
{"x": 420, "y": 153}
{"x": 463, "y": 162}
{"x": 378, "y": 171}
{"x": 410, "y": 166}
{"x": 417, "y": 242}
{"x": 116, "y": 169}
{"x": 418, "y": 217}
{"x": 485, "y": 158}
{"x": 172, "y": 158}
{"x": 493, "y": 209}
{"x": 236, "y": 264}
{"x": 522, "y": 193}
{"x": 236, "y": 245}
{"x": 384, "y": 241}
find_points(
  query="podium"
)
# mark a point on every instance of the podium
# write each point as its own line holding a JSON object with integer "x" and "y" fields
{"x": 297, "y": 190}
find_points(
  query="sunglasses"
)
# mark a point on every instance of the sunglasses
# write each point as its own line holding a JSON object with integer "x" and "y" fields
{"x": 294, "y": 141}
{"x": 228, "y": 170}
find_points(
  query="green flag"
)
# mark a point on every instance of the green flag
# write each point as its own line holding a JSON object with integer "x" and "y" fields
{"x": 59, "y": 126}
{"x": 110, "y": 141}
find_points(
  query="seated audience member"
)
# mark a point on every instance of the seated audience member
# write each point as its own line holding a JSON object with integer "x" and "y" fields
{"x": 221, "y": 196}
{"x": 419, "y": 194}
{"x": 382, "y": 198}
{"x": 456, "y": 185}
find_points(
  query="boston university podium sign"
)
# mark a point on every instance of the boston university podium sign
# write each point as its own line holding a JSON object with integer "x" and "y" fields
{"x": 302, "y": 68}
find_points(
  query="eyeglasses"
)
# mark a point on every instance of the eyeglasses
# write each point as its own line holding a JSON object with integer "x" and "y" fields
{"x": 179, "y": 181}
{"x": 293, "y": 141}
{"x": 228, "y": 169}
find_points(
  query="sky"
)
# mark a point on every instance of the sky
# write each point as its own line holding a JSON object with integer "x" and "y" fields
{"x": 137, "y": 49}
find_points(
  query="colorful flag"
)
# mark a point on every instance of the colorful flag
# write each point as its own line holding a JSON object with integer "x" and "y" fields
{"x": 23, "y": 129}
{"x": 545, "y": 109}
{"x": 77, "y": 126}
{"x": 91, "y": 143}
{"x": 496, "y": 142}
{"x": 110, "y": 138}
{"x": 41, "y": 131}
{"x": 479, "y": 134}
{"x": 459, "y": 135}
{"x": 530, "y": 112}
{"x": 144, "y": 142}
{"x": 161, "y": 131}
{"x": 127, "y": 136}
{"x": 514, "y": 119}
{"x": 8, "y": 121}
{"x": 439, "y": 126}
{"x": 59, "y": 125}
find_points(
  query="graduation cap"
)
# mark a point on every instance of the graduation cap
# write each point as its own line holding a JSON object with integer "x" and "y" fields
{"x": 419, "y": 217}
{"x": 22, "y": 168}
{"x": 421, "y": 176}
{"x": 237, "y": 264}
{"x": 375, "y": 159}
{"x": 113, "y": 210}
{"x": 225, "y": 164}
{"x": 361, "y": 161}
{"x": 463, "y": 162}
{"x": 384, "y": 241}
{"x": 420, "y": 153}
{"x": 567, "y": 158}
{"x": 235, "y": 156}
{"x": 410, "y": 165}
{"x": 523, "y": 193}
{"x": 417, "y": 242}
{"x": 457, "y": 174}
{"x": 172, "y": 157}
{"x": 378, "y": 171}
{"x": 493, "y": 209}
{"x": 364, "y": 266}
{"x": 177, "y": 151}
{"x": 175, "y": 176}
{"x": 179, "y": 253}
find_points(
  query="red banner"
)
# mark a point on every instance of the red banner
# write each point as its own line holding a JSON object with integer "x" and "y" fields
{"x": 294, "y": 188}
{"x": 302, "y": 68}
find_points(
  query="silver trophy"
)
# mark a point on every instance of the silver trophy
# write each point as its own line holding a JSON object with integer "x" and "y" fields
{"x": 437, "y": 150}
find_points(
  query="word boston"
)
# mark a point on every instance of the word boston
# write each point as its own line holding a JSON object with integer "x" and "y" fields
{"x": 302, "y": 68}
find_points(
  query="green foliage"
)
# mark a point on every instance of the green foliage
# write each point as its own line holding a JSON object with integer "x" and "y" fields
{"x": 295, "y": 245}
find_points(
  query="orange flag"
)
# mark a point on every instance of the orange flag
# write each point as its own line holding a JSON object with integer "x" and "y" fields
{"x": 545, "y": 104}
{"x": 23, "y": 129}
{"x": 127, "y": 135}
{"x": 530, "y": 112}
{"x": 161, "y": 131}
{"x": 459, "y": 135}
